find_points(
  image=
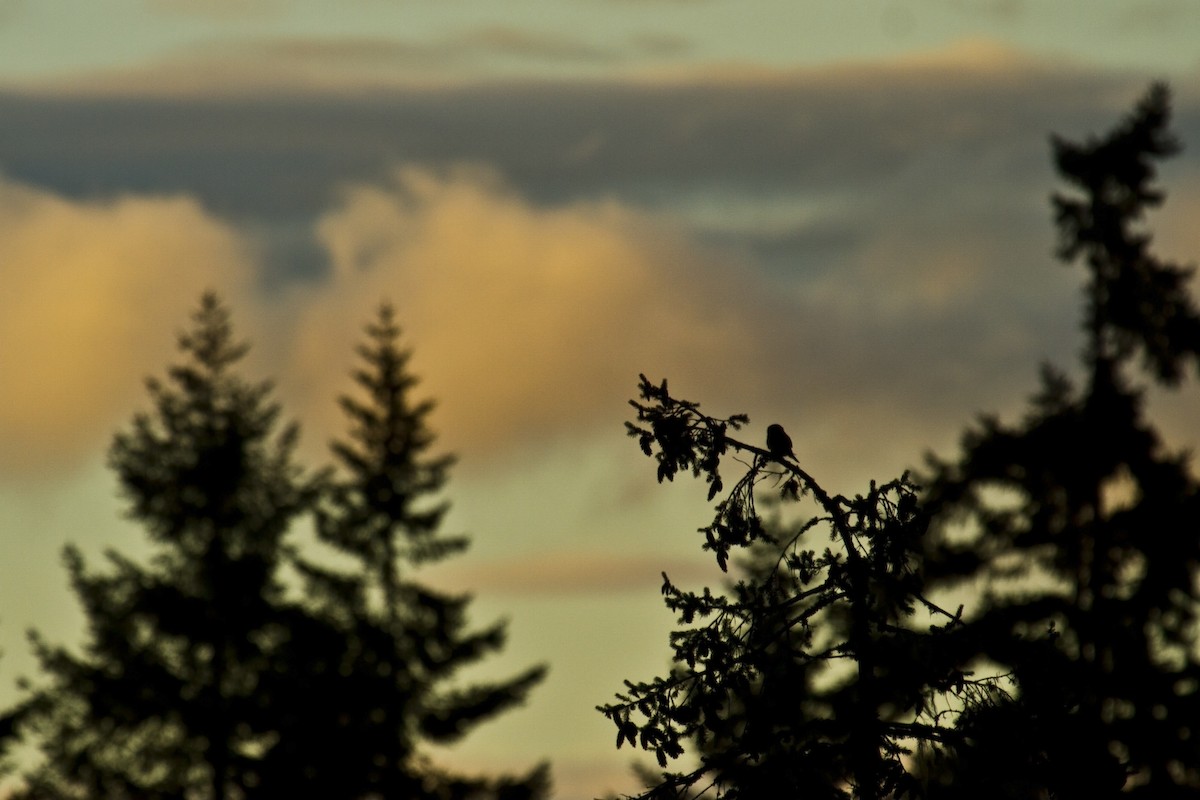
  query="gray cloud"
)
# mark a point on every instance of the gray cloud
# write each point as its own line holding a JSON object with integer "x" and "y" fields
{"x": 251, "y": 65}
{"x": 648, "y": 142}
{"x": 466, "y": 46}
{"x": 528, "y": 44}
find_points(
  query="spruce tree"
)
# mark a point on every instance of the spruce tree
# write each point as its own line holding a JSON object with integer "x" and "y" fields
{"x": 1078, "y": 523}
{"x": 164, "y": 699}
{"x": 389, "y": 688}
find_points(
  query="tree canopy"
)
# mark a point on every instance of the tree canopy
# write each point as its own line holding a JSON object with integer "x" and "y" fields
{"x": 164, "y": 701}
{"x": 826, "y": 666}
{"x": 204, "y": 674}
{"x": 830, "y": 670}
{"x": 1081, "y": 521}
{"x": 390, "y": 688}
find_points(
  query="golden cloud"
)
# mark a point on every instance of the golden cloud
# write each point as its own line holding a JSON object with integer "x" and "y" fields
{"x": 525, "y": 321}
{"x": 92, "y": 291}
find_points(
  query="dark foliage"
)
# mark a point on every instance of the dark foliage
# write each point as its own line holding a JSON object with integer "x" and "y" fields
{"x": 165, "y": 699}
{"x": 819, "y": 675}
{"x": 1079, "y": 521}
{"x": 200, "y": 676}
{"x": 825, "y": 666}
{"x": 381, "y": 649}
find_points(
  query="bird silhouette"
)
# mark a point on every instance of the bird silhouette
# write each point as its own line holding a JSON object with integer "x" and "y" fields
{"x": 778, "y": 442}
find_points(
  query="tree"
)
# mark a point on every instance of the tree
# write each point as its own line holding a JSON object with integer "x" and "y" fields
{"x": 164, "y": 700}
{"x": 1080, "y": 522}
{"x": 822, "y": 669}
{"x": 384, "y": 690}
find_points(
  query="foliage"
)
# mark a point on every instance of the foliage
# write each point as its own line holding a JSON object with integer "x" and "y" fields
{"x": 1079, "y": 518}
{"x": 164, "y": 701}
{"x": 823, "y": 669}
{"x": 815, "y": 676}
{"x": 382, "y": 649}
{"x": 201, "y": 677}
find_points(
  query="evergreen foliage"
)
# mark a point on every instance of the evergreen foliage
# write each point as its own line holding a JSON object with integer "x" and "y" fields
{"x": 201, "y": 677}
{"x": 165, "y": 699}
{"x": 826, "y": 666}
{"x": 389, "y": 688}
{"x": 829, "y": 673}
{"x": 1080, "y": 522}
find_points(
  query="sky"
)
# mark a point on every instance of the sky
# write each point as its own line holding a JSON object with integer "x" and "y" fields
{"x": 832, "y": 215}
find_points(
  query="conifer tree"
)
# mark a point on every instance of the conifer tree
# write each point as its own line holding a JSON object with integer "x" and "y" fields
{"x": 163, "y": 701}
{"x": 825, "y": 666}
{"x": 1080, "y": 525}
{"x": 389, "y": 688}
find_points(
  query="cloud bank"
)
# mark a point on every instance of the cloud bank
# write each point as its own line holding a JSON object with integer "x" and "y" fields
{"x": 526, "y": 322}
{"x": 861, "y": 252}
{"x": 92, "y": 292}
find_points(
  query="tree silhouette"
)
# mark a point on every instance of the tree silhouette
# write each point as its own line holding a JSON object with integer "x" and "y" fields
{"x": 164, "y": 700}
{"x": 385, "y": 688}
{"x": 823, "y": 668}
{"x": 1080, "y": 526}
{"x": 201, "y": 677}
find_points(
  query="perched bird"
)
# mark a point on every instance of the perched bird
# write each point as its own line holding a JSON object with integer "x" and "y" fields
{"x": 778, "y": 442}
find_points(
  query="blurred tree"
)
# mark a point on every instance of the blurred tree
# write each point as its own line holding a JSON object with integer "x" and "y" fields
{"x": 376, "y": 658}
{"x": 1079, "y": 521}
{"x": 822, "y": 669}
{"x": 164, "y": 701}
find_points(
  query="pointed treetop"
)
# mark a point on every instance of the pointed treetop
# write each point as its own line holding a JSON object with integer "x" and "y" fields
{"x": 211, "y": 341}
{"x": 1136, "y": 302}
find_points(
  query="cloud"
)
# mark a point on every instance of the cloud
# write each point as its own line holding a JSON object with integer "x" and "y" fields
{"x": 507, "y": 41}
{"x": 504, "y": 55}
{"x": 92, "y": 292}
{"x": 842, "y": 248}
{"x": 249, "y": 65}
{"x": 663, "y": 45}
{"x": 651, "y": 140}
{"x": 527, "y": 322}
{"x": 463, "y": 47}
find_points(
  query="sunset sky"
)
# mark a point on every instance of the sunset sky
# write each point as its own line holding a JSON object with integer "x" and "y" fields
{"x": 832, "y": 215}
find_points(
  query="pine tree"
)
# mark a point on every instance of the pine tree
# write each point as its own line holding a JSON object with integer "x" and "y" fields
{"x": 1081, "y": 526}
{"x": 825, "y": 666}
{"x": 164, "y": 700}
{"x": 387, "y": 689}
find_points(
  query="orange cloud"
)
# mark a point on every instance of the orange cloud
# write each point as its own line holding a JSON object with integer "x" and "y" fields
{"x": 525, "y": 321}
{"x": 92, "y": 292}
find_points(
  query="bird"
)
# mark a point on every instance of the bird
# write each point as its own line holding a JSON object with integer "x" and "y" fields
{"x": 778, "y": 442}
